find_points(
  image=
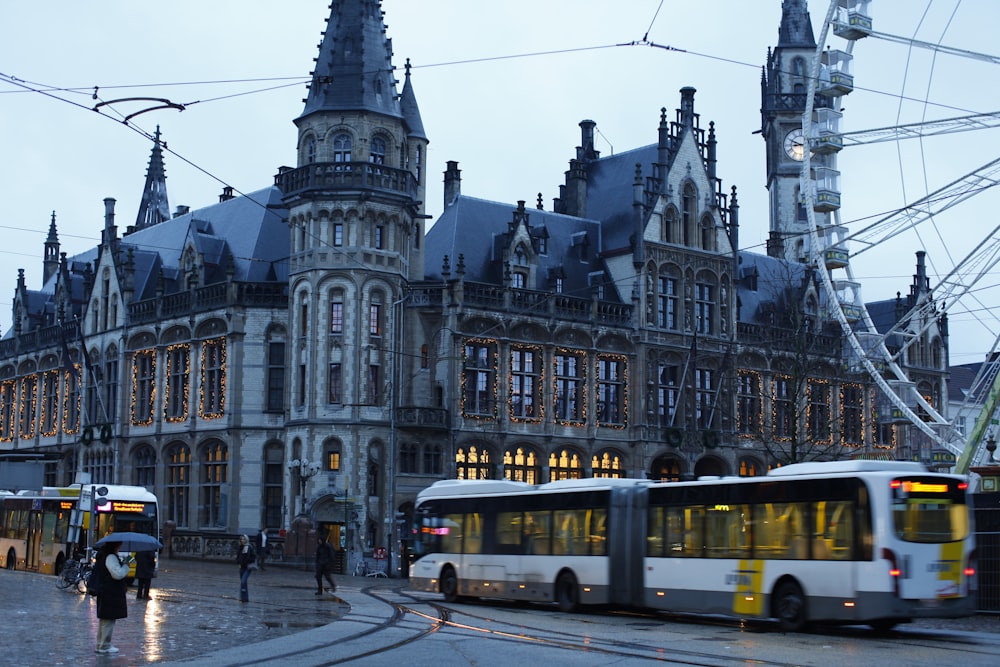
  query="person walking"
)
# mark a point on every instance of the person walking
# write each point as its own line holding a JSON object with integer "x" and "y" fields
{"x": 263, "y": 548}
{"x": 110, "y": 570}
{"x": 324, "y": 565}
{"x": 145, "y": 569}
{"x": 247, "y": 560}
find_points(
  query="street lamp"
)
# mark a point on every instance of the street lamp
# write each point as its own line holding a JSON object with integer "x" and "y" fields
{"x": 306, "y": 470}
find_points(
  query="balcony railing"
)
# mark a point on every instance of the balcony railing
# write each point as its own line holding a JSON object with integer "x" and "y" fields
{"x": 346, "y": 176}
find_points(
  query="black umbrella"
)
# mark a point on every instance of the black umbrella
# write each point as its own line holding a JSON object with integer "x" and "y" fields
{"x": 132, "y": 541}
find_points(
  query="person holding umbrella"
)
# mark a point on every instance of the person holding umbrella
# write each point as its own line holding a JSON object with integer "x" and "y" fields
{"x": 110, "y": 571}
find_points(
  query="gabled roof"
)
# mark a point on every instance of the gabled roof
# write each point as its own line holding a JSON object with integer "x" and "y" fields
{"x": 609, "y": 193}
{"x": 474, "y": 228}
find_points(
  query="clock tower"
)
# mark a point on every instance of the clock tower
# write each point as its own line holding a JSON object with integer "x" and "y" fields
{"x": 784, "y": 86}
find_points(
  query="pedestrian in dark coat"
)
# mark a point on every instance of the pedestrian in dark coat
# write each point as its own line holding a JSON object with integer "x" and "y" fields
{"x": 145, "y": 568}
{"x": 110, "y": 570}
{"x": 324, "y": 565}
{"x": 246, "y": 558}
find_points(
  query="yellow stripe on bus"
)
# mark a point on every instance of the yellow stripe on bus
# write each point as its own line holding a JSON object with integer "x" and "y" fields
{"x": 950, "y": 572}
{"x": 748, "y": 599}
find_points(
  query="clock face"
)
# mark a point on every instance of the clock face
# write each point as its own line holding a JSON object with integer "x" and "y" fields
{"x": 795, "y": 144}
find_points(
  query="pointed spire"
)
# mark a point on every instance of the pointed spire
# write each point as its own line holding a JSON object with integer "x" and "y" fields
{"x": 796, "y": 26}
{"x": 408, "y": 105}
{"x": 354, "y": 67}
{"x": 154, "y": 207}
{"x": 50, "y": 261}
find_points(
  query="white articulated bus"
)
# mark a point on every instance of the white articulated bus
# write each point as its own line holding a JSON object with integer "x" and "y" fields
{"x": 870, "y": 542}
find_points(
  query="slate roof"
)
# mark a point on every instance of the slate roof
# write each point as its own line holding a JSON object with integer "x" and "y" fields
{"x": 472, "y": 227}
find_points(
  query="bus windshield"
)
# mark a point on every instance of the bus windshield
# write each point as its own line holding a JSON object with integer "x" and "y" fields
{"x": 929, "y": 510}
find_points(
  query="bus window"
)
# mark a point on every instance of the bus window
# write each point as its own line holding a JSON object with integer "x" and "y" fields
{"x": 598, "y": 532}
{"x": 570, "y": 537}
{"x": 538, "y": 532}
{"x": 508, "y": 537}
{"x": 685, "y": 531}
{"x": 473, "y": 533}
{"x": 727, "y": 533}
{"x": 451, "y": 534}
{"x": 656, "y": 536}
{"x": 833, "y": 538}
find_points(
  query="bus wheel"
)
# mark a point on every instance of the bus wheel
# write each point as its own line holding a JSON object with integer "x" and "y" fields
{"x": 11, "y": 559}
{"x": 790, "y": 607}
{"x": 449, "y": 585}
{"x": 567, "y": 593}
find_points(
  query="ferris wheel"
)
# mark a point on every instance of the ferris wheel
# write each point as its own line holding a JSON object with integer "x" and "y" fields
{"x": 920, "y": 180}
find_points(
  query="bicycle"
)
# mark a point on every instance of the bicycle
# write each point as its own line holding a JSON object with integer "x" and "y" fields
{"x": 74, "y": 574}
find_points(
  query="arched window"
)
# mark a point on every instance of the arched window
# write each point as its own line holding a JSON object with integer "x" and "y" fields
{"x": 751, "y": 468}
{"x": 331, "y": 457}
{"x": 708, "y": 233}
{"x": 521, "y": 465}
{"x": 565, "y": 464}
{"x": 472, "y": 464}
{"x": 309, "y": 152}
{"x": 607, "y": 464}
{"x": 214, "y": 485}
{"x": 377, "y": 153}
{"x": 144, "y": 466}
{"x": 665, "y": 469}
{"x": 178, "y": 484}
{"x": 342, "y": 150}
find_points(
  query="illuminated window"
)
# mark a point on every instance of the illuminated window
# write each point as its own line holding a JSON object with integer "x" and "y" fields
{"x": 29, "y": 399}
{"x": 565, "y": 464}
{"x": 521, "y": 465}
{"x": 607, "y": 464}
{"x": 8, "y": 391}
{"x": 473, "y": 464}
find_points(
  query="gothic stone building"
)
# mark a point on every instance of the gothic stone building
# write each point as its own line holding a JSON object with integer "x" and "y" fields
{"x": 310, "y": 355}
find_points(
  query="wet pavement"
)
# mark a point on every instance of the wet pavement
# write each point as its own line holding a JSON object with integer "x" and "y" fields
{"x": 194, "y": 611}
{"x": 195, "y": 618}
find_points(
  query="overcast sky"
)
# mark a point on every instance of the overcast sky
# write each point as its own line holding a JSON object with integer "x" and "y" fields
{"x": 501, "y": 86}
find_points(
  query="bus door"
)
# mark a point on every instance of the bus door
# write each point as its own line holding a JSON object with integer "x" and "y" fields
{"x": 32, "y": 559}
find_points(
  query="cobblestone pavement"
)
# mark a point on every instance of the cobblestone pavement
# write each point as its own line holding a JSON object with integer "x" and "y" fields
{"x": 194, "y": 609}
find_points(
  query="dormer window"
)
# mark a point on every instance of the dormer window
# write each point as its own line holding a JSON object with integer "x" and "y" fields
{"x": 518, "y": 280}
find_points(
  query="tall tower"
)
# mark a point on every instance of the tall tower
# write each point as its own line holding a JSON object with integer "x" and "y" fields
{"x": 784, "y": 88}
{"x": 356, "y": 218}
{"x": 50, "y": 263}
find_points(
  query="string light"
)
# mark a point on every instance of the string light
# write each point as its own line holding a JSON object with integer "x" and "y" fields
{"x": 851, "y": 409}
{"x": 212, "y": 399}
{"x": 8, "y": 388}
{"x": 72, "y": 402}
{"x": 28, "y": 408}
{"x": 146, "y": 418}
{"x": 50, "y": 404}
{"x": 751, "y": 430}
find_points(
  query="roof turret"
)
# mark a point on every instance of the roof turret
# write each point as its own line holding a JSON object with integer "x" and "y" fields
{"x": 354, "y": 68}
